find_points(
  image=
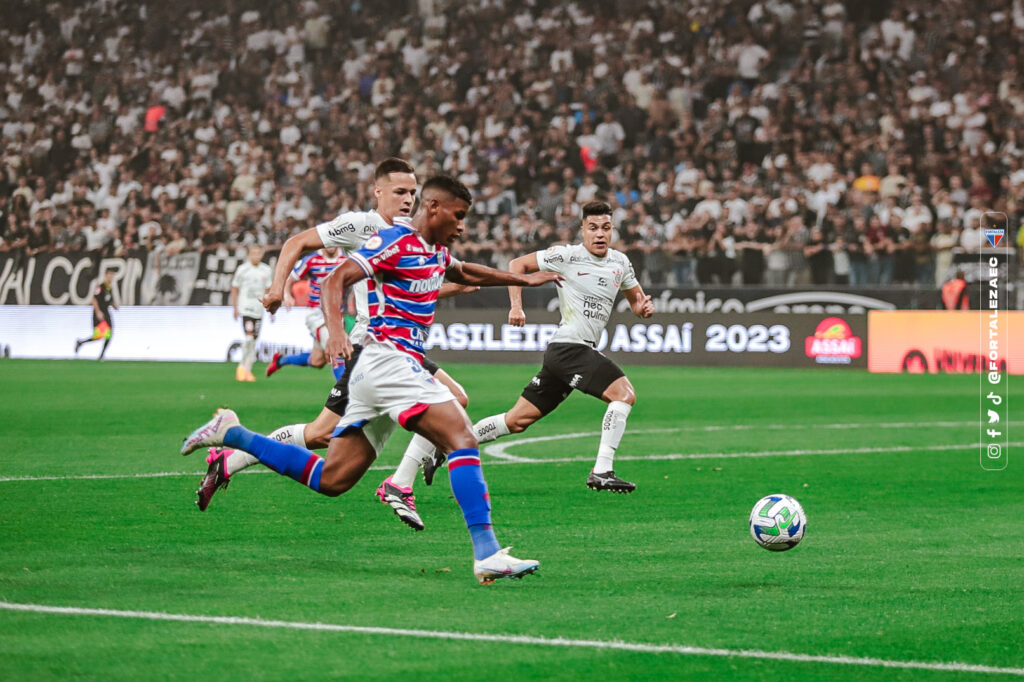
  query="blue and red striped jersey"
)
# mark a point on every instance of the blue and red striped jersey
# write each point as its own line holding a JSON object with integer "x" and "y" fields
{"x": 408, "y": 273}
{"x": 315, "y": 267}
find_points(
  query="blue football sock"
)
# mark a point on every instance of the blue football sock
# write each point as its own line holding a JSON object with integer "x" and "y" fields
{"x": 284, "y": 458}
{"x": 338, "y": 370}
{"x": 301, "y": 359}
{"x": 470, "y": 489}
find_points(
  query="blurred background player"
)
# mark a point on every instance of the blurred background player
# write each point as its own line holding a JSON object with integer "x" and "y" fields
{"x": 250, "y": 281}
{"x": 409, "y": 263}
{"x": 314, "y": 268}
{"x": 594, "y": 274}
{"x": 102, "y": 324}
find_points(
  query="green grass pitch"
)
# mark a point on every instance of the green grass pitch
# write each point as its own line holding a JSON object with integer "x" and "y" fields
{"x": 912, "y": 553}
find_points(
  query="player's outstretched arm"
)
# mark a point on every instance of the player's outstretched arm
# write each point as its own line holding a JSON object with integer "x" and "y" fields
{"x": 475, "y": 274}
{"x": 640, "y": 302}
{"x": 294, "y": 248}
{"x": 450, "y": 289}
{"x": 523, "y": 264}
{"x": 332, "y": 293}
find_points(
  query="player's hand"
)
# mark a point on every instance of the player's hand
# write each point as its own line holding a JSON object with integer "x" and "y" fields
{"x": 516, "y": 317}
{"x": 535, "y": 279}
{"x": 646, "y": 307}
{"x": 271, "y": 300}
{"x": 339, "y": 347}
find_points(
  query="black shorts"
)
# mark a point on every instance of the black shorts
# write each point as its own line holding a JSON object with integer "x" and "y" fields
{"x": 337, "y": 401}
{"x": 569, "y": 366}
{"x": 251, "y": 326}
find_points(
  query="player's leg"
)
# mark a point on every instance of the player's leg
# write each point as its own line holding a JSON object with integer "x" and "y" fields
{"x": 248, "y": 353}
{"x": 107, "y": 332}
{"x": 608, "y": 383}
{"x": 97, "y": 334}
{"x": 448, "y": 425}
{"x": 542, "y": 395}
{"x": 225, "y": 462}
{"x": 349, "y": 457}
{"x": 421, "y": 452}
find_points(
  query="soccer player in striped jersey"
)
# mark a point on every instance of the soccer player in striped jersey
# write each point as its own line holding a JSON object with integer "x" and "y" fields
{"x": 387, "y": 383}
{"x": 395, "y": 194}
{"x": 314, "y": 267}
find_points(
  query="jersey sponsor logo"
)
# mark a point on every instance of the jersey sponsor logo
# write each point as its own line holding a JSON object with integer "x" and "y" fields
{"x": 575, "y": 381}
{"x": 341, "y": 229}
{"x": 535, "y": 381}
{"x": 577, "y": 259}
{"x": 373, "y": 242}
{"x": 383, "y": 255}
{"x": 553, "y": 258}
{"x": 335, "y": 393}
{"x": 420, "y": 286}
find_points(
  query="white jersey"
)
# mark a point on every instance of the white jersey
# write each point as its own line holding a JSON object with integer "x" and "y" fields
{"x": 350, "y": 231}
{"x": 587, "y": 296}
{"x": 252, "y": 281}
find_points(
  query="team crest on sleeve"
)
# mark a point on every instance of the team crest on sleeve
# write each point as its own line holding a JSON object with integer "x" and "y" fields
{"x": 617, "y": 276}
{"x": 374, "y": 242}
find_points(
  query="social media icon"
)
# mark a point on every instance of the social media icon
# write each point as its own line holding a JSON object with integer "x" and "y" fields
{"x": 993, "y": 417}
{"x": 994, "y": 451}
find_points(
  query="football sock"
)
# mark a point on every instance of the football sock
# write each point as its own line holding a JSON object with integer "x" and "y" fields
{"x": 470, "y": 490}
{"x": 419, "y": 449}
{"x": 103, "y": 351}
{"x": 293, "y": 433}
{"x": 301, "y": 359}
{"x": 286, "y": 459}
{"x": 238, "y": 460}
{"x": 490, "y": 428}
{"x": 248, "y": 353}
{"x": 612, "y": 429}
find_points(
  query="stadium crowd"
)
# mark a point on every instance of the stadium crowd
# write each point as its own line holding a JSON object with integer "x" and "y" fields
{"x": 784, "y": 142}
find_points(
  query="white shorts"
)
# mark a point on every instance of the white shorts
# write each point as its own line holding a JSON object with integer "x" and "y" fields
{"x": 317, "y": 327}
{"x": 386, "y": 387}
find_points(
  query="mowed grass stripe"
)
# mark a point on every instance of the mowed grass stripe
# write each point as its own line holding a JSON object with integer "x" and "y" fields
{"x": 639, "y": 647}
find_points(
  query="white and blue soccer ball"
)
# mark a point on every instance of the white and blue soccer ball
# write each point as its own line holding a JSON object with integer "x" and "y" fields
{"x": 777, "y": 522}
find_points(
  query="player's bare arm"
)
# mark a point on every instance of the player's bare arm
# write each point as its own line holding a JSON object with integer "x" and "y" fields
{"x": 450, "y": 289}
{"x": 332, "y": 296}
{"x": 234, "y": 301}
{"x": 521, "y": 265}
{"x": 640, "y": 302}
{"x": 481, "y": 275}
{"x": 294, "y": 248}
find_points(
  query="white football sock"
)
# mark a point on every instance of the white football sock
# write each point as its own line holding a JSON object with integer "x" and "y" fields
{"x": 612, "y": 429}
{"x": 293, "y": 433}
{"x": 419, "y": 449}
{"x": 490, "y": 428}
{"x": 248, "y": 353}
{"x": 239, "y": 460}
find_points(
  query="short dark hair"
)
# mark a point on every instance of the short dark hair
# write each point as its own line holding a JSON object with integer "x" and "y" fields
{"x": 392, "y": 165}
{"x": 596, "y": 208}
{"x": 450, "y": 185}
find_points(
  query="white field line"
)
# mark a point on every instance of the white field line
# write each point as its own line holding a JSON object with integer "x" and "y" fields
{"x": 498, "y": 450}
{"x": 514, "y": 639}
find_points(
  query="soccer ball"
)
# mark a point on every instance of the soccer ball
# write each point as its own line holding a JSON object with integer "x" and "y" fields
{"x": 777, "y": 522}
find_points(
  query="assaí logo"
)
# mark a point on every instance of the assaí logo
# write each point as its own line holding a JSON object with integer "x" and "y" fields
{"x": 833, "y": 343}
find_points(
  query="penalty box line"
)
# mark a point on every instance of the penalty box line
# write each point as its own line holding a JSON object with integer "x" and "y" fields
{"x": 502, "y": 459}
{"x": 615, "y": 645}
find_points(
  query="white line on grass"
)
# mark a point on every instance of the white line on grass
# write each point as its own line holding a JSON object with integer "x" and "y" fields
{"x": 559, "y": 460}
{"x": 515, "y": 639}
